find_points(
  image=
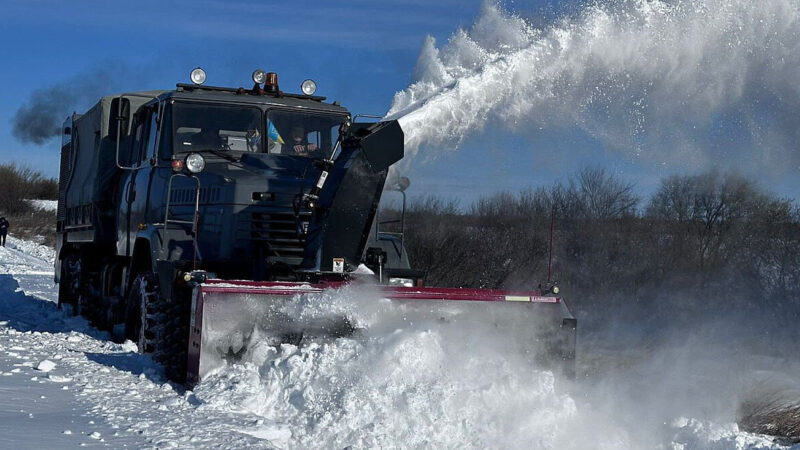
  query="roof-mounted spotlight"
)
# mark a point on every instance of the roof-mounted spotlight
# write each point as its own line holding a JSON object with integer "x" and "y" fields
{"x": 198, "y": 76}
{"x": 308, "y": 87}
{"x": 259, "y": 76}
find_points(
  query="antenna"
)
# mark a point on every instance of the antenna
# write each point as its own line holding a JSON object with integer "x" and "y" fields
{"x": 550, "y": 258}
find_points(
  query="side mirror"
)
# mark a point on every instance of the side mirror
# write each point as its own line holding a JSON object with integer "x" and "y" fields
{"x": 119, "y": 118}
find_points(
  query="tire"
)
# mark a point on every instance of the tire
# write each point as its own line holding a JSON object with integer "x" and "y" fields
{"x": 69, "y": 288}
{"x": 159, "y": 326}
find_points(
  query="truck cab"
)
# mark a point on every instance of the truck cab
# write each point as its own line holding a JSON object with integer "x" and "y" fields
{"x": 253, "y": 165}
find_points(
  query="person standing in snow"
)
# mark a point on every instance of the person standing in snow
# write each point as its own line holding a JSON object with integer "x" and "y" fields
{"x": 3, "y": 230}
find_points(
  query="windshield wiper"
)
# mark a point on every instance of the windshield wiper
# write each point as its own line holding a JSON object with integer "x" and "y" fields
{"x": 221, "y": 154}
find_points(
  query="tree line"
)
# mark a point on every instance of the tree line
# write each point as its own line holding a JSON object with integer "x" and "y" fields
{"x": 699, "y": 243}
{"x": 18, "y": 184}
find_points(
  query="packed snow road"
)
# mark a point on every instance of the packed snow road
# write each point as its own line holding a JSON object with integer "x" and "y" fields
{"x": 63, "y": 384}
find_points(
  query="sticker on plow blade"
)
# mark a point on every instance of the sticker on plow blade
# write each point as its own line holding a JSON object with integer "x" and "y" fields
{"x": 338, "y": 265}
{"x": 531, "y": 298}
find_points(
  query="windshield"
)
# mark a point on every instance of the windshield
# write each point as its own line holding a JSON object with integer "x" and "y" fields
{"x": 223, "y": 128}
{"x": 311, "y": 135}
{"x": 201, "y": 127}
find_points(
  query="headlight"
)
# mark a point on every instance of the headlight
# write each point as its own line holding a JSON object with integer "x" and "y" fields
{"x": 198, "y": 76}
{"x": 195, "y": 163}
{"x": 407, "y": 282}
{"x": 308, "y": 87}
{"x": 259, "y": 76}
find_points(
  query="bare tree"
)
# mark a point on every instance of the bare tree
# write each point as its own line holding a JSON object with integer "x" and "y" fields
{"x": 602, "y": 195}
{"x": 705, "y": 241}
{"x": 674, "y": 200}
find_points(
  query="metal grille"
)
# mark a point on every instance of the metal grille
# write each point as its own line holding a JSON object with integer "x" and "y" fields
{"x": 184, "y": 196}
{"x": 279, "y": 232}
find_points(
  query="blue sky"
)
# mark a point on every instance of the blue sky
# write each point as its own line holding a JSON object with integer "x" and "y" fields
{"x": 359, "y": 52}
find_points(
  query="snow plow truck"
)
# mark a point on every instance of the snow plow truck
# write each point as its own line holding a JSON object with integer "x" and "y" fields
{"x": 189, "y": 220}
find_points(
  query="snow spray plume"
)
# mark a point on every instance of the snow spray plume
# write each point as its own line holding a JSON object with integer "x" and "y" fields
{"x": 456, "y": 378}
{"x": 684, "y": 82}
{"x": 40, "y": 118}
{"x": 414, "y": 375}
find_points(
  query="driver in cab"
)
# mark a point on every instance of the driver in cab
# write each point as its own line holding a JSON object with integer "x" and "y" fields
{"x": 300, "y": 145}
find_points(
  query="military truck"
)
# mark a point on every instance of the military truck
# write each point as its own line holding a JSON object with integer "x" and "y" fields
{"x": 179, "y": 205}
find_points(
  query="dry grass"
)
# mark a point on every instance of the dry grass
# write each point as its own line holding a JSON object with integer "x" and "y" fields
{"x": 34, "y": 225}
{"x": 776, "y": 413}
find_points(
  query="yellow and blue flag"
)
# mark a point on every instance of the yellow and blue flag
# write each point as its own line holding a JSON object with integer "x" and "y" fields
{"x": 272, "y": 133}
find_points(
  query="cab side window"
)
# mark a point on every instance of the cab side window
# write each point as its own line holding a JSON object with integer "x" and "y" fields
{"x": 144, "y": 137}
{"x": 152, "y": 138}
{"x": 132, "y": 158}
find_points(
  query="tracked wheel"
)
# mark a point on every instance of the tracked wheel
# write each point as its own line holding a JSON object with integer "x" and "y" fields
{"x": 162, "y": 326}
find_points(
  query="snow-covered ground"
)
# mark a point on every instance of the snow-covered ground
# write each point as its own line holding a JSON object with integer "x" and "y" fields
{"x": 44, "y": 205}
{"x": 64, "y": 384}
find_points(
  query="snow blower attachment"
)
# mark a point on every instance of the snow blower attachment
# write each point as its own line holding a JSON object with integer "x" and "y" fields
{"x": 231, "y": 319}
{"x": 167, "y": 199}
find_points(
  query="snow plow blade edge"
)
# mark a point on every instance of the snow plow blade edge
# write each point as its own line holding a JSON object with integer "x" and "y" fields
{"x": 227, "y": 316}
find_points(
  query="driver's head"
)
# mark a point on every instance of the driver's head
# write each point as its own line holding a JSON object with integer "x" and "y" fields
{"x": 298, "y": 133}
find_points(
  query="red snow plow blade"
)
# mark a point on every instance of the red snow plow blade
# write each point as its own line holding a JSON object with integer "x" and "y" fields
{"x": 230, "y": 318}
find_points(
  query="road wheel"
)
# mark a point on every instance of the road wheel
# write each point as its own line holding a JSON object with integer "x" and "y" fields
{"x": 158, "y": 325}
{"x": 69, "y": 288}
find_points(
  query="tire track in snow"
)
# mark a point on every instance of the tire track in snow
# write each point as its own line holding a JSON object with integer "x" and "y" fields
{"x": 99, "y": 393}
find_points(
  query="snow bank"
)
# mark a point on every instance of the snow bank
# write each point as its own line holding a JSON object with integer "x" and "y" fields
{"x": 32, "y": 249}
{"x": 693, "y": 433}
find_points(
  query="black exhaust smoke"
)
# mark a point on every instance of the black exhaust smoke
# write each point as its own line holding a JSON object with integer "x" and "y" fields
{"x": 39, "y": 119}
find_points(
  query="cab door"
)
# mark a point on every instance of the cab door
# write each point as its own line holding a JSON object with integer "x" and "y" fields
{"x": 129, "y": 190}
{"x": 145, "y": 167}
